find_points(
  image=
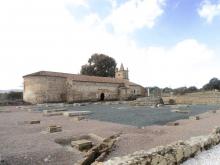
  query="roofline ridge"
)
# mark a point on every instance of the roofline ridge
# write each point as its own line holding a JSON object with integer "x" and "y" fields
{"x": 84, "y": 78}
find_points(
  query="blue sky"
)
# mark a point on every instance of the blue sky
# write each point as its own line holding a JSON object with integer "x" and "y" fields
{"x": 163, "y": 42}
{"x": 180, "y": 20}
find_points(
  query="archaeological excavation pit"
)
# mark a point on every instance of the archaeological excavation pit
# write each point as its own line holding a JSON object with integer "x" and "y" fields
{"x": 70, "y": 141}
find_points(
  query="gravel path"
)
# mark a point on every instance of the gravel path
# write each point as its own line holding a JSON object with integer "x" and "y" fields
{"x": 143, "y": 116}
{"x": 25, "y": 144}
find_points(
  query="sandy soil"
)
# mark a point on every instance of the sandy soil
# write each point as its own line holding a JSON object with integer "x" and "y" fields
{"x": 25, "y": 144}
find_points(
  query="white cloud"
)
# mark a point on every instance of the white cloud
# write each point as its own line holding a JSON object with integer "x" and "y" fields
{"x": 42, "y": 35}
{"x": 135, "y": 14}
{"x": 113, "y": 3}
{"x": 83, "y": 3}
{"x": 209, "y": 10}
{"x": 36, "y": 35}
{"x": 184, "y": 64}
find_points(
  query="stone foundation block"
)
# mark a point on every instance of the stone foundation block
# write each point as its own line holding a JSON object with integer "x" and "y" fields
{"x": 54, "y": 110}
{"x": 96, "y": 137}
{"x": 170, "y": 158}
{"x": 32, "y": 122}
{"x": 195, "y": 147}
{"x": 173, "y": 124}
{"x": 216, "y": 130}
{"x": 76, "y": 113}
{"x": 54, "y": 128}
{"x": 82, "y": 144}
{"x": 194, "y": 117}
{"x": 178, "y": 154}
{"x": 187, "y": 152}
{"x": 52, "y": 113}
{"x": 158, "y": 159}
{"x": 180, "y": 111}
{"x": 78, "y": 118}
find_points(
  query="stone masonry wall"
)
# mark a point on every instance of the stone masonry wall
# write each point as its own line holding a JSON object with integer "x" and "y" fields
{"x": 172, "y": 154}
{"x": 207, "y": 97}
{"x": 147, "y": 101}
{"x": 136, "y": 90}
{"x": 193, "y": 99}
{"x": 131, "y": 92}
{"x": 41, "y": 89}
{"x": 89, "y": 91}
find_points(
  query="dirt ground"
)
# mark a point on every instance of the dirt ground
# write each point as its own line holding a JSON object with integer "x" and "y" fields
{"x": 30, "y": 144}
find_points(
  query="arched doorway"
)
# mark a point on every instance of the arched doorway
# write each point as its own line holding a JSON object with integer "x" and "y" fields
{"x": 102, "y": 96}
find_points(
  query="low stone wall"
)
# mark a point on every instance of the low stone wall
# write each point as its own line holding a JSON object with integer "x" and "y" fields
{"x": 192, "y": 100}
{"x": 172, "y": 154}
{"x": 147, "y": 101}
{"x": 209, "y": 97}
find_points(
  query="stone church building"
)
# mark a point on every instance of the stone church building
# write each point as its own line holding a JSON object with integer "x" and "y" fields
{"x": 45, "y": 87}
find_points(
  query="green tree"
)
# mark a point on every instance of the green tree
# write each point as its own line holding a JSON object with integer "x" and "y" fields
{"x": 167, "y": 90}
{"x": 214, "y": 83}
{"x": 192, "y": 89}
{"x": 14, "y": 95}
{"x": 180, "y": 91}
{"x": 99, "y": 65}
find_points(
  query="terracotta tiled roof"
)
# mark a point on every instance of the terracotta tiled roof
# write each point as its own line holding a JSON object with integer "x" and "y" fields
{"x": 83, "y": 78}
{"x": 48, "y": 73}
{"x": 130, "y": 83}
{"x": 78, "y": 77}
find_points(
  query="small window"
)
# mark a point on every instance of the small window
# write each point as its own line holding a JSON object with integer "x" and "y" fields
{"x": 134, "y": 91}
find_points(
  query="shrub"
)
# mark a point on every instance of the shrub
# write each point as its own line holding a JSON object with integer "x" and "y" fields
{"x": 172, "y": 101}
{"x": 14, "y": 95}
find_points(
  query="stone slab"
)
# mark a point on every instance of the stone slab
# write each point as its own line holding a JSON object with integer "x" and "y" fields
{"x": 54, "y": 110}
{"x": 82, "y": 144}
{"x": 76, "y": 113}
{"x": 194, "y": 117}
{"x": 52, "y": 113}
{"x": 96, "y": 137}
{"x": 54, "y": 128}
{"x": 32, "y": 122}
{"x": 5, "y": 111}
{"x": 180, "y": 111}
{"x": 173, "y": 124}
{"x": 78, "y": 118}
